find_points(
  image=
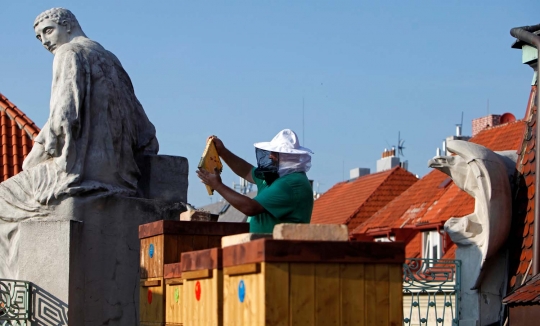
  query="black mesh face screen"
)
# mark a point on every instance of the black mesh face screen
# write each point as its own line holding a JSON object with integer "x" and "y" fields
{"x": 265, "y": 165}
{"x": 264, "y": 162}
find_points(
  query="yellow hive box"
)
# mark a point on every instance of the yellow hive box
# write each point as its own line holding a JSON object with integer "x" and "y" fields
{"x": 151, "y": 302}
{"x": 203, "y": 288}
{"x": 320, "y": 283}
{"x": 174, "y": 285}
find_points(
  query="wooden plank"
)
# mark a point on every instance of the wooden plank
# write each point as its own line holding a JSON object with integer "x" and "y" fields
{"x": 218, "y": 293}
{"x": 200, "y": 242}
{"x": 382, "y": 288}
{"x": 151, "y": 257}
{"x": 150, "y": 283}
{"x": 352, "y": 295}
{"x": 370, "y": 294}
{"x": 246, "y": 310}
{"x": 396, "y": 295}
{"x": 227, "y": 295}
{"x": 174, "y": 281}
{"x": 202, "y": 273}
{"x": 185, "y": 244}
{"x": 152, "y": 302}
{"x": 327, "y": 295}
{"x": 274, "y": 251}
{"x": 202, "y": 300}
{"x": 214, "y": 241}
{"x": 191, "y": 228}
{"x": 276, "y": 283}
{"x": 173, "y": 301}
{"x": 188, "y": 301}
{"x": 242, "y": 269}
{"x": 170, "y": 249}
{"x": 302, "y": 294}
{"x": 201, "y": 259}
{"x": 172, "y": 270}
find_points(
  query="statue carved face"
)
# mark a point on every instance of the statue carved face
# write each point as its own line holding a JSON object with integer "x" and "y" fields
{"x": 52, "y": 35}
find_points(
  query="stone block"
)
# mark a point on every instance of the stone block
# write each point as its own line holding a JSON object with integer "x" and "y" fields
{"x": 84, "y": 259}
{"x": 243, "y": 238}
{"x": 311, "y": 232}
{"x": 164, "y": 177}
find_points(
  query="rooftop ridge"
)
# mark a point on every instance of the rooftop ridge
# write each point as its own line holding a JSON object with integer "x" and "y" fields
{"x": 378, "y": 190}
{"x": 23, "y": 121}
{"x": 502, "y": 125}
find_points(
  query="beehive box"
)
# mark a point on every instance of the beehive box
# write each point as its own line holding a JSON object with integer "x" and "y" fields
{"x": 282, "y": 282}
{"x": 163, "y": 242}
{"x": 173, "y": 294}
{"x": 203, "y": 288}
{"x": 151, "y": 302}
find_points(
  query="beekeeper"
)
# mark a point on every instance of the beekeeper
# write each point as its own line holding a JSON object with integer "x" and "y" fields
{"x": 284, "y": 193}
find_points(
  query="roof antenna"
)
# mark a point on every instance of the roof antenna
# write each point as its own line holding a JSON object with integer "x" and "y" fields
{"x": 400, "y": 146}
{"x": 459, "y": 126}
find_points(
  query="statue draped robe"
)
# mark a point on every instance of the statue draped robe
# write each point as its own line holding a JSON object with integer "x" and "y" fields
{"x": 89, "y": 145}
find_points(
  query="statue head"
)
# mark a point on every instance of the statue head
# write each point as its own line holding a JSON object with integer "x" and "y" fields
{"x": 56, "y": 27}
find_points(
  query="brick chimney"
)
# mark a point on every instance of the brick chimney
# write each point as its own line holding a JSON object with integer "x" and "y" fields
{"x": 485, "y": 122}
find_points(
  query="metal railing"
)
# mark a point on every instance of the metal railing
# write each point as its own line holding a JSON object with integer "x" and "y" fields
{"x": 431, "y": 292}
{"x": 15, "y": 302}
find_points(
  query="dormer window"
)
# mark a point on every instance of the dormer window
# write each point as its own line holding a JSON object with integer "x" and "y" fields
{"x": 385, "y": 239}
{"x": 431, "y": 245}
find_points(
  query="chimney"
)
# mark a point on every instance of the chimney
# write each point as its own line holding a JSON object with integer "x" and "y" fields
{"x": 485, "y": 122}
{"x": 388, "y": 161}
{"x": 358, "y": 172}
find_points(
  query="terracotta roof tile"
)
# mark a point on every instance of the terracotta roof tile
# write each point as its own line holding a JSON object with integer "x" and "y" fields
{"x": 410, "y": 207}
{"x": 17, "y": 133}
{"x": 434, "y": 199}
{"x": 413, "y": 249}
{"x": 529, "y": 293}
{"x": 522, "y": 231}
{"x": 352, "y": 202}
{"x": 450, "y": 252}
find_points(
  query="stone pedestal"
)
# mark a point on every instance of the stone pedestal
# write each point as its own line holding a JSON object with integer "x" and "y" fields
{"x": 85, "y": 257}
{"x": 480, "y": 307}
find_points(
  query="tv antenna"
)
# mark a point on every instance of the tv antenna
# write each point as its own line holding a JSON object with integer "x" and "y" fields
{"x": 400, "y": 146}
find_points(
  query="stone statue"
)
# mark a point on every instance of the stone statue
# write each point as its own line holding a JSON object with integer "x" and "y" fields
{"x": 484, "y": 175}
{"x": 91, "y": 142}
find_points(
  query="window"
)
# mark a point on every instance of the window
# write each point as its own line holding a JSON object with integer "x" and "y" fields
{"x": 431, "y": 245}
{"x": 385, "y": 239}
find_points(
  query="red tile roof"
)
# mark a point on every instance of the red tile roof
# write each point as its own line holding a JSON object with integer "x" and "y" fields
{"x": 434, "y": 198}
{"x": 450, "y": 252}
{"x": 527, "y": 294}
{"x": 17, "y": 132}
{"x": 352, "y": 202}
{"x": 413, "y": 249}
{"x": 522, "y": 232}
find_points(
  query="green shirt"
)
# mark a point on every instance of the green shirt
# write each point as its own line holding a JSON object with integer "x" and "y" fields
{"x": 288, "y": 200}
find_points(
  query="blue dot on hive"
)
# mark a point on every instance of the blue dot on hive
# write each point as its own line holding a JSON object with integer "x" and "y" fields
{"x": 151, "y": 251}
{"x": 241, "y": 291}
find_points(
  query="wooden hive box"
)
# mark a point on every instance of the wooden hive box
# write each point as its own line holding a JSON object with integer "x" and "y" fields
{"x": 323, "y": 283}
{"x": 173, "y": 294}
{"x": 163, "y": 242}
{"x": 151, "y": 302}
{"x": 203, "y": 287}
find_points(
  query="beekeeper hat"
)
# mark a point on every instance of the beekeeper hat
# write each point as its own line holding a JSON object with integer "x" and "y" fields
{"x": 285, "y": 141}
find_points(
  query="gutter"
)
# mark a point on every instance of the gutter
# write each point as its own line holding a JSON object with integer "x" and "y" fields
{"x": 525, "y": 34}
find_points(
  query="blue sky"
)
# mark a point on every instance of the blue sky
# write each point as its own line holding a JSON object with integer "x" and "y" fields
{"x": 241, "y": 70}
